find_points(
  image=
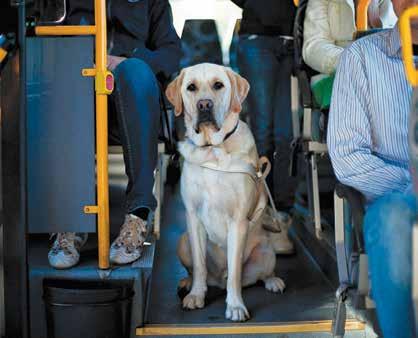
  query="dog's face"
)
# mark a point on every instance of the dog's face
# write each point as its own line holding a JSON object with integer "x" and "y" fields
{"x": 210, "y": 97}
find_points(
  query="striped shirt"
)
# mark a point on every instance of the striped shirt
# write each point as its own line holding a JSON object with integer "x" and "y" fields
{"x": 368, "y": 123}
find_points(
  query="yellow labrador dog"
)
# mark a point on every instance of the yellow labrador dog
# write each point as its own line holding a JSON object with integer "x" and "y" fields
{"x": 225, "y": 244}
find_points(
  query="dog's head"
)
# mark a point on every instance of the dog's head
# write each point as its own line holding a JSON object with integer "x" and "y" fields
{"x": 210, "y": 97}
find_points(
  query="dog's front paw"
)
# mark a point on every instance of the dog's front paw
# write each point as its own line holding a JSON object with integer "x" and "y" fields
{"x": 274, "y": 284}
{"x": 194, "y": 301}
{"x": 237, "y": 313}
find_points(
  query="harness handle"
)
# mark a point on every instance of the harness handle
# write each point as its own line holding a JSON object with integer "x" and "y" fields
{"x": 262, "y": 176}
{"x": 261, "y": 162}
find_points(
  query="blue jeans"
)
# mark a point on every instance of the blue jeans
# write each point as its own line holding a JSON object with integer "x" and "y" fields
{"x": 266, "y": 62}
{"x": 136, "y": 100}
{"x": 388, "y": 238}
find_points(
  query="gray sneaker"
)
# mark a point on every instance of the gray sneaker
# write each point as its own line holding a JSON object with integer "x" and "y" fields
{"x": 128, "y": 246}
{"x": 64, "y": 253}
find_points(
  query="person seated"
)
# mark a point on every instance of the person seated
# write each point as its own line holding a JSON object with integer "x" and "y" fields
{"x": 265, "y": 59}
{"x": 368, "y": 146}
{"x": 329, "y": 27}
{"x": 144, "y": 50}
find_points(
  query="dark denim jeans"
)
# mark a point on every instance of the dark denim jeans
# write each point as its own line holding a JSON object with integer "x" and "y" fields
{"x": 266, "y": 62}
{"x": 388, "y": 238}
{"x": 137, "y": 101}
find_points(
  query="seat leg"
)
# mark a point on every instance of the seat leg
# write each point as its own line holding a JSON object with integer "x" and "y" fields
{"x": 315, "y": 193}
{"x": 340, "y": 314}
{"x": 159, "y": 189}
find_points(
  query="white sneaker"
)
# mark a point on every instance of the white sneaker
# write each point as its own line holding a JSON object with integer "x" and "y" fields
{"x": 64, "y": 253}
{"x": 127, "y": 247}
{"x": 280, "y": 240}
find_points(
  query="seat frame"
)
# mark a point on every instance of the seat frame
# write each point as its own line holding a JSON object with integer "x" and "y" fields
{"x": 306, "y": 143}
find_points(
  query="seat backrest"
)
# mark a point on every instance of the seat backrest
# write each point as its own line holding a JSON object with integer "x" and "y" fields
{"x": 362, "y": 34}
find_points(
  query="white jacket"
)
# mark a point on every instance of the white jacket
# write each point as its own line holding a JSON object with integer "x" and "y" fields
{"x": 329, "y": 27}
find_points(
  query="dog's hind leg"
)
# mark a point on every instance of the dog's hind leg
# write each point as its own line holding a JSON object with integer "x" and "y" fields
{"x": 184, "y": 254}
{"x": 260, "y": 266}
{"x": 216, "y": 268}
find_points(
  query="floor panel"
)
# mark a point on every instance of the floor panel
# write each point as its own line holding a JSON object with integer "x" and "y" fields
{"x": 308, "y": 296}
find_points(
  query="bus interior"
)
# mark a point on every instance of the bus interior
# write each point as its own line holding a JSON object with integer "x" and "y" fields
{"x": 50, "y": 181}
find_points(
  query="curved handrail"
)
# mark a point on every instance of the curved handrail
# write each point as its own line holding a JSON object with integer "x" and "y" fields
{"x": 406, "y": 40}
{"x": 361, "y": 15}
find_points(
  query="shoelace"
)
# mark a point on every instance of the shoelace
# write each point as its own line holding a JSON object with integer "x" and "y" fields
{"x": 131, "y": 233}
{"x": 64, "y": 241}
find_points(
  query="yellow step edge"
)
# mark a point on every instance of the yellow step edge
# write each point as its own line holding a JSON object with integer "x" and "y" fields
{"x": 256, "y": 328}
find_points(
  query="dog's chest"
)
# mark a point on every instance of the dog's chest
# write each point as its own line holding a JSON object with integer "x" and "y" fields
{"x": 214, "y": 197}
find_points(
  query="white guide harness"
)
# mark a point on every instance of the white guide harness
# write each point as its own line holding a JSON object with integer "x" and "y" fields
{"x": 257, "y": 174}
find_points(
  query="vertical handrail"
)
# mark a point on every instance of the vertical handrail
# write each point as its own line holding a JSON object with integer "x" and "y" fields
{"x": 361, "y": 15}
{"x": 101, "y": 134}
{"x": 103, "y": 87}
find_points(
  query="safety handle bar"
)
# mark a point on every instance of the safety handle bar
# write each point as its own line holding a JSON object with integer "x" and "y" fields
{"x": 406, "y": 39}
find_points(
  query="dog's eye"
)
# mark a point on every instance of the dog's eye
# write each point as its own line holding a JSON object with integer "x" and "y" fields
{"x": 191, "y": 87}
{"x": 218, "y": 85}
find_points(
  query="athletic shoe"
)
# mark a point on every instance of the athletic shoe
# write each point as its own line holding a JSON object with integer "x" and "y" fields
{"x": 64, "y": 253}
{"x": 127, "y": 247}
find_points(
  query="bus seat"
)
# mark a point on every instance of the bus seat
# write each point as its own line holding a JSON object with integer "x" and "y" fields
{"x": 47, "y": 12}
{"x": 314, "y": 123}
{"x": 352, "y": 261}
{"x": 200, "y": 43}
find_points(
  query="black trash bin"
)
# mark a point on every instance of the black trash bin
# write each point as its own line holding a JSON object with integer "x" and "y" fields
{"x": 90, "y": 309}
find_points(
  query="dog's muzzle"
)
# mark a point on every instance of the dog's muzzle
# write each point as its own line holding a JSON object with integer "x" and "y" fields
{"x": 205, "y": 117}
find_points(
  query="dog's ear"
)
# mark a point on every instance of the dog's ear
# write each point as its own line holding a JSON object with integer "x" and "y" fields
{"x": 173, "y": 93}
{"x": 239, "y": 90}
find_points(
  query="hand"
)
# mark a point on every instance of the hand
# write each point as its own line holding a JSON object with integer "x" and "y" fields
{"x": 114, "y": 61}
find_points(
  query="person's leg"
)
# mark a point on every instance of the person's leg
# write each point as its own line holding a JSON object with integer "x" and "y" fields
{"x": 138, "y": 112}
{"x": 260, "y": 66}
{"x": 284, "y": 185}
{"x": 388, "y": 235}
{"x": 257, "y": 63}
{"x": 137, "y": 97}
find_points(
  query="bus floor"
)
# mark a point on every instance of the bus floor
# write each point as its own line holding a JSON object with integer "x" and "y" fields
{"x": 306, "y": 305}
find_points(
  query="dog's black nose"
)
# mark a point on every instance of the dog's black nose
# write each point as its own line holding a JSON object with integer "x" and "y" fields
{"x": 205, "y": 106}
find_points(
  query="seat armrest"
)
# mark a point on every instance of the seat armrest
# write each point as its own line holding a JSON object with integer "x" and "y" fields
{"x": 305, "y": 88}
{"x": 356, "y": 202}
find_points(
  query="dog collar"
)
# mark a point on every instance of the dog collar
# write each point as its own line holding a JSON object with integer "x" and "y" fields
{"x": 227, "y": 136}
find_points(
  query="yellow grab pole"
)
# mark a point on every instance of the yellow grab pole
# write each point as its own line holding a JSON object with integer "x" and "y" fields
{"x": 65, "y": 30}
{"x": 361, "y": 15}
{"x": 104, "y": 86}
